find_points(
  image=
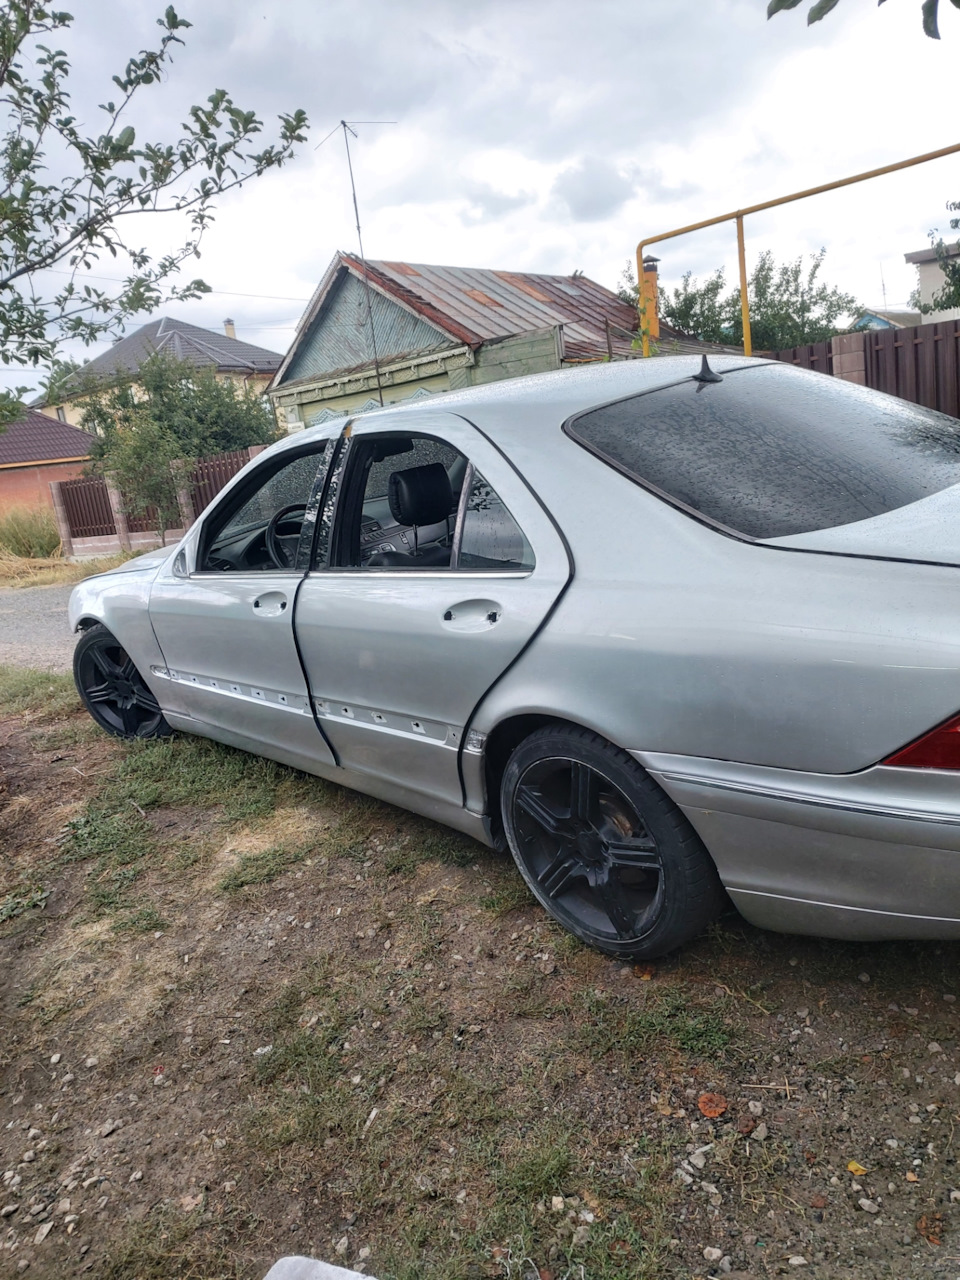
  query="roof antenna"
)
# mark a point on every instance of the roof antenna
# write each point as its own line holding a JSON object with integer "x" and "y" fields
{"x": 706, "y": 374}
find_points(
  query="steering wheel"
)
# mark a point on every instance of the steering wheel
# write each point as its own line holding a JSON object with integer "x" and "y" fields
{"x": 282, "y": 543}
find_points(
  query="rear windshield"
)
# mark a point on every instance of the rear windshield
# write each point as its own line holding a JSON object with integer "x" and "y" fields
{"x": 772, "y": 450}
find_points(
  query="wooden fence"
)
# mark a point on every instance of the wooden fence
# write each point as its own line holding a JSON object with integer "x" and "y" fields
{"x": 94, "y": 519}
{"x": 920, "y": 364}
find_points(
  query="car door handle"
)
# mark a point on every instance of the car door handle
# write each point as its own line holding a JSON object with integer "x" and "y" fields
{"x": 472, "y": 615}
{"x": 270, "y": 605}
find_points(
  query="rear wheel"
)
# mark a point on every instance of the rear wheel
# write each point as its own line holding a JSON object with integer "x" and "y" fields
{"x": 601, "y": 846}
{"x": 112, "y": 689}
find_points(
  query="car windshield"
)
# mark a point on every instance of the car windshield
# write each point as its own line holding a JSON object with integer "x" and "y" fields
{"x": 771, "y": 451}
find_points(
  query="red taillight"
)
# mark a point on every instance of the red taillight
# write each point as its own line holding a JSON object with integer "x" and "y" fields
{"x": 938, "y": 749}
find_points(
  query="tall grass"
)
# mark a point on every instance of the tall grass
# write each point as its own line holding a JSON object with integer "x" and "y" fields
{"x": 30, "y": 533}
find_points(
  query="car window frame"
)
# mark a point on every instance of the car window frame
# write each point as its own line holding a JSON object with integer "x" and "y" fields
{"x": 239, "y": 494}
{"x": 340, "y": 499}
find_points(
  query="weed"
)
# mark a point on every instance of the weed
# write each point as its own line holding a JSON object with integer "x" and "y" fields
{"x": 511, "y": 894}
{"x": 15, "y": 904}
{"x": 29, "y": 533}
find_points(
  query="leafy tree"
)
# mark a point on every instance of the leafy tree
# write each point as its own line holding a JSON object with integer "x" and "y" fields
{"x": 172, "y": 411}
{"x": 789, "y": 305}
{"x": 929, "y": 12}
{"x": 66, "y": 196}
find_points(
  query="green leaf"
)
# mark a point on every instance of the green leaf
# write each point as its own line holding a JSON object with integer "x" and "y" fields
{"x": 930, "y": 19}
{"x": 820, "y": 10}
{"x": 777, "y": 6}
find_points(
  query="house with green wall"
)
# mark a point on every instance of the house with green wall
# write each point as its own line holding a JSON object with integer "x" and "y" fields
{"x": 408, "y": 331}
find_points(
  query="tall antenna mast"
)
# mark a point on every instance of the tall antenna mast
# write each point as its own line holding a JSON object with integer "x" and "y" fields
{"x": 363, "y": 262}
{"x": 883, "y": 287}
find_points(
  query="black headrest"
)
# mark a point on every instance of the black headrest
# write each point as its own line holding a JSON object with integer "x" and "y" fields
{"x": 421, "y": 495}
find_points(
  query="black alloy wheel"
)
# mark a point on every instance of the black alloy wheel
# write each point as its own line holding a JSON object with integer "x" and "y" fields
{"x": 603, "y": 848}
{"x": 112, "y": 689}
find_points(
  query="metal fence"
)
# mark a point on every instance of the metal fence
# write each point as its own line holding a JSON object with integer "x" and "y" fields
{"x": 211, "y": 474}
{"x": 84, "y": 508}
{"x": 920, "y": 364}
{"x": 87, "y": 509}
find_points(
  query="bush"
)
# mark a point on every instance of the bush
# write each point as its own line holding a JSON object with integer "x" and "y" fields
{"x": 29, "y": 533}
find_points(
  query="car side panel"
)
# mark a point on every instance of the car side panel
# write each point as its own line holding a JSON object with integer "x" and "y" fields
{"x": 675, "y": 638}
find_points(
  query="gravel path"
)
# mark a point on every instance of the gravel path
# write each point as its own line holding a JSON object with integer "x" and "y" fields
{"x": 33, "y": 628}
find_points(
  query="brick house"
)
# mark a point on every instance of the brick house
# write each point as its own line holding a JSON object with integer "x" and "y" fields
{"x": 35, "y": 450}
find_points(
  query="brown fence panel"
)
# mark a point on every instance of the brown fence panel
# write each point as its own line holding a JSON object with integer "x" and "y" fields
{"x": 148, "y": 522}
{"x": 815, "y": 355}
{"x": 920, "y": 364}
{"x": 87, "y": 507}
{"x": 211, "y": 474}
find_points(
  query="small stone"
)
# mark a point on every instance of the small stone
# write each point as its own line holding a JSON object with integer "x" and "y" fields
{"x": 22, "y": 1264}
{"x": 955, "y": 1197}
{"x": 798, "y": 1260}
{"x": 34, "y": 1134}
{"x": 28, "y": 1157}
{"x": 698, "y": 1159}
{"x": 229, "y": 1186}
{"x": 914, "y": 1119}
{"x": 105, "y": 1130}
{"x": 136, "y": 1175}
{"x": 63, "y": 1206}
{"x": 949, "y": 998}
{"x": 869, "y": 1206}
{"x": 892, "y": 1143}
{"x": 42, "y": 1232}
{"x": 55, "y": 1057}
{"x": 556, "y": 1204}
{"x": 863, "y": 977}
{"x": 92, "y": 1062}
{"x": 933, "y": 1047}
{"x": 803, "y": 1013}
{"x": 342, "y": 1245}
{"x": 461, "y": 1196}
{"x": 761, "y": 1132}
{"x": 364, "y": 1253}
{"x": 855, "y": 1186}
{"x": 712, "y": 1255}
{"x": 264, "y": 1049}
{"x": 8, "y": 1209}
{"x": 755, "y": 1108}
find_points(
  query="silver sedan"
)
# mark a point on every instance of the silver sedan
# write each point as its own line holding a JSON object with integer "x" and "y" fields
{"x": 673, "y": 634}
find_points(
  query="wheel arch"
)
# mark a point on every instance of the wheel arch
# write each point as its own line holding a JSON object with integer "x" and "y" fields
{"x": 502, "y": 741}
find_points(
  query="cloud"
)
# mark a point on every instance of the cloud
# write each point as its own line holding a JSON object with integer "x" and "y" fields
{"x": 592, "y": 189}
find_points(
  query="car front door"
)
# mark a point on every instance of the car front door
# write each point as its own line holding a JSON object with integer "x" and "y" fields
{"x": 222, "y": 611}
{"x": 415, "y": 610}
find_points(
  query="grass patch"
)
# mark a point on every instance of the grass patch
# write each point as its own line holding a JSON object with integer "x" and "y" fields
{"x": 671, "y": 1017}
{"x": 263, "y": 867}
{"x": 41, "y": 694}
{"x": 29, "y": 533}
{"x": 168, "y": 1244}
{"x": 141, "y": 920}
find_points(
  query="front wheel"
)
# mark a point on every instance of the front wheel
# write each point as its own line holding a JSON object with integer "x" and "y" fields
{"x": 112, "y": 689}
{"x": 605, "y": 851}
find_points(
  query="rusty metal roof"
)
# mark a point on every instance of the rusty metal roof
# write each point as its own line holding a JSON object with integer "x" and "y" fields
{"x": 475, "y": 304}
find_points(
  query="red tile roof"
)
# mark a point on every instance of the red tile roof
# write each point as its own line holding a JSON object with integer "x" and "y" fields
{"x": 37, "y": 438}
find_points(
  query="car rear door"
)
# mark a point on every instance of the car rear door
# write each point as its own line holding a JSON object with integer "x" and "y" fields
{"x": 398, "y": 658}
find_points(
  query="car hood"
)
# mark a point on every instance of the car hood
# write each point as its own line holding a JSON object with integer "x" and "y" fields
{"x": 151, "y": 560}
{"x": 926, "y": 531}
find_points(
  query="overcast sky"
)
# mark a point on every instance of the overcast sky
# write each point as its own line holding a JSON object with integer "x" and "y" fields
{"x": 548, "y": 135}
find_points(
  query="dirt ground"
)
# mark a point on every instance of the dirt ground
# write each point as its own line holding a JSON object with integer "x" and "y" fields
{"x": 245, "y": 1014}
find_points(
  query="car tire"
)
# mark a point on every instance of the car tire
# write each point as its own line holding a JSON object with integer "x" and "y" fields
{"x": 603, "y": 848}
{"x": 113, "y": 690}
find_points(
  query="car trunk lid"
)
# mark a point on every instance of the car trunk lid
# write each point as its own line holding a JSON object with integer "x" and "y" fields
{"x": 926, "y": 531}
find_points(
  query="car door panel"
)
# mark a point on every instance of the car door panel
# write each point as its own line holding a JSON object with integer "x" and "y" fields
{"x": 231, "y": 659}
{"x": 398, "y": 659}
